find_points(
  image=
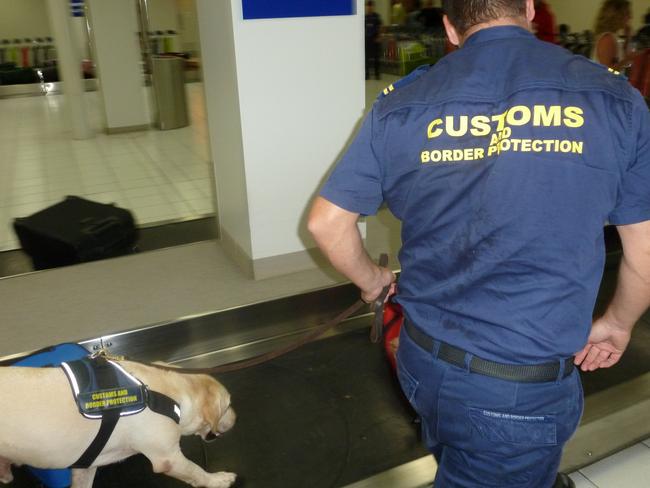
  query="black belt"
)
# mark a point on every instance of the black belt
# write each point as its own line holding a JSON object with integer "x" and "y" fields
{"x": 536, "y": 373}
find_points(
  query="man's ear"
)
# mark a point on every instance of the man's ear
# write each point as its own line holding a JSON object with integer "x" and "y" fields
{"x": 452, "y": 34}
{"x": 530, "y": 10}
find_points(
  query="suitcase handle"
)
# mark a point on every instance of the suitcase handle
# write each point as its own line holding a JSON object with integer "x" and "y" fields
{"x": 97, "y": 227}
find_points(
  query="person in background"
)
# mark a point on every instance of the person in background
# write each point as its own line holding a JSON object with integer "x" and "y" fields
{"x": 612, "y": 35}
{"x": 642, "y": 38}
{"x": 563, "y": 33}
{"x": 544, "y": 22}
{"x": 502, "y": 161}
{"x": 373, "y": 29}
{"x": 430, "y": 17}
{"x": 398, "y": 13}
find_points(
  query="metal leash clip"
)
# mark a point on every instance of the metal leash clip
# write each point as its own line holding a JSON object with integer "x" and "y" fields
{"x": 102, "y": 351}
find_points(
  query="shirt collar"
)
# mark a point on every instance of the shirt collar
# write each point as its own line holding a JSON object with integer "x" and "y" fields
{"x": 498, "y": 32}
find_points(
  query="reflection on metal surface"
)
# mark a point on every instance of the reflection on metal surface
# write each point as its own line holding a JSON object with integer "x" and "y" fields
{"x": 232, "y": 334}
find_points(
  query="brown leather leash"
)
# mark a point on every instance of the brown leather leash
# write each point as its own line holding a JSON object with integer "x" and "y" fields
{"x": 375, "y": 336}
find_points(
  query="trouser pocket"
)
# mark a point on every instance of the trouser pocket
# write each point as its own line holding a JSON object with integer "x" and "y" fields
{"x": 408, "y": 383}
{"x": 527, "y": 430}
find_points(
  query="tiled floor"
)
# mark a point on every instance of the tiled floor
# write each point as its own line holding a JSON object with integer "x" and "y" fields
{"x": 160, "y": 175}
{"x": 629, "y": 468}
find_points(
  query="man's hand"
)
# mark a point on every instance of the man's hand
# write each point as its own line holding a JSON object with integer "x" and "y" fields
{"x": 611, "y": 333}
{"x": 605, "y": 346}
{"x": 384, "y": 278}
{"x": 336, "y": 233}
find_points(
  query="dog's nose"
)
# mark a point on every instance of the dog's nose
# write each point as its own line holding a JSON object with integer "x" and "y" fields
{"x": 211, "y": 437}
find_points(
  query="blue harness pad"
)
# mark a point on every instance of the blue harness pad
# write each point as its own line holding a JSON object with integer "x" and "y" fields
{"x": 100, "y": 385}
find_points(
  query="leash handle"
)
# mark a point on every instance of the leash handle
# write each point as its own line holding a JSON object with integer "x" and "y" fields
{"x": 377, "y": 330}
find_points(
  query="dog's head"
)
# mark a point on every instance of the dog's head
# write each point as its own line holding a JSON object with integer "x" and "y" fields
{"x": 217, "y": 414}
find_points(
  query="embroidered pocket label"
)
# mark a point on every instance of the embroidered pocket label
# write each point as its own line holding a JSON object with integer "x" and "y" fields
{"x": 515, "y": 428}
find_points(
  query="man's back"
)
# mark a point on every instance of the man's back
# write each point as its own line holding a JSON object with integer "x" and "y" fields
{"x": 504, "y": 162}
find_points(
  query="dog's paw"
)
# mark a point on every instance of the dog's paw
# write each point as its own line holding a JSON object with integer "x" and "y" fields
{"x": 222, "y": 479}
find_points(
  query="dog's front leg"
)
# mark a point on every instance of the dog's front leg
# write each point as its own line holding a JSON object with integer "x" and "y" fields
{"x": 83, "y": 478}
{"x": 178, "y": 466}
{"x": 5, "y": 471}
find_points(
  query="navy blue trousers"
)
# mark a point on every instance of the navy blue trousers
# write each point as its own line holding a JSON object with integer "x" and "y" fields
{"x": 487, "y": 432}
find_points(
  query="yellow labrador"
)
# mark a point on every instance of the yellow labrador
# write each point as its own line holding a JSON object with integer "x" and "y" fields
{"x": 41, "y": 426}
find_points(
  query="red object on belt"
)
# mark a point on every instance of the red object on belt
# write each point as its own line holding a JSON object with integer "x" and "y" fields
{"x": 25, "y": 56}
{"x": 393, "y": 319}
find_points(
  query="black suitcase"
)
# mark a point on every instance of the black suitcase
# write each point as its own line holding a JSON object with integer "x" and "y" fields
{"x": 19, "y": 76}
{"x": 76, "y": 230}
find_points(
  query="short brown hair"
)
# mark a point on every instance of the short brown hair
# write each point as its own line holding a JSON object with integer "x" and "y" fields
{"x": 464, "y": 14}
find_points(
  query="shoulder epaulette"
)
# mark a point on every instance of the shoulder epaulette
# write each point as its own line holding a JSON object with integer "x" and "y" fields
{"x": 407, "y": 80}
{"x": 614, "y": 72}
{"x": 611, "y": 70}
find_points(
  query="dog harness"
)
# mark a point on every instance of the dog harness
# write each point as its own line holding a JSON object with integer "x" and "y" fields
{"x": 104, "y": 390}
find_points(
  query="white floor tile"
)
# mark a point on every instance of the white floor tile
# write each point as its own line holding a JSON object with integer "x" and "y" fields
{"x": 180, "y": 209}
{"x": 110, "y": 197}
{"x": 628, "y": 468}
{"x": 143, "y": 191}
{"x": 170, "y": 193}
{"x": 174, "y": 174}
{"x": 647, "y": 442}
{"x": 581, "y": 481}
{"x": 21, "y": 199}
{"x": 147, "y": 201}
{"x": 18, "y": 185}
{"x": 195, "y": 172}
{"x": 127, "y": 184}
{"x": 87, "y": 171}
{"x": 58, "y": 195}
{"x": 99, "y": 188}
{"x": 152, "y": 213}
{"x": 99, "y": 181}
{"x": 201, "y": 206}
{"x": 24, "y": 210}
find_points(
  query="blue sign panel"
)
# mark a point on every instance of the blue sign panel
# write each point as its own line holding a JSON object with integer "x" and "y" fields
{"x": 77, "y": 8}
{"x": 273, "y": 9}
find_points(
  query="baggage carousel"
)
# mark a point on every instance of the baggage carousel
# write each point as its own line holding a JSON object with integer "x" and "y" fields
{"x": 331, "y": 414}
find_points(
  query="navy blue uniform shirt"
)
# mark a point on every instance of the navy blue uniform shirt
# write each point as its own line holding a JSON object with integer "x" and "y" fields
{"x": 503, "y": 161}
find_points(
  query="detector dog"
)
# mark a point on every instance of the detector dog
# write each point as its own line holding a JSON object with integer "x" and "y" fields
{"x": 47, "y": 421}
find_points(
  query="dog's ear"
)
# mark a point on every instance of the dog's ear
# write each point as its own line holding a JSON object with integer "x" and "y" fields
{"x": 215, "y": 401}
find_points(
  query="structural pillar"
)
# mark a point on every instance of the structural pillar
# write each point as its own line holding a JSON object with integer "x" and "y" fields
{"x": 118, "y": 57}
{"x": 283, "y": 96}
{"x": 69, "y": 64}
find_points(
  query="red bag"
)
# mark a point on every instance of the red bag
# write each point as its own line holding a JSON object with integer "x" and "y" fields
{"x": 393, "y": 319}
